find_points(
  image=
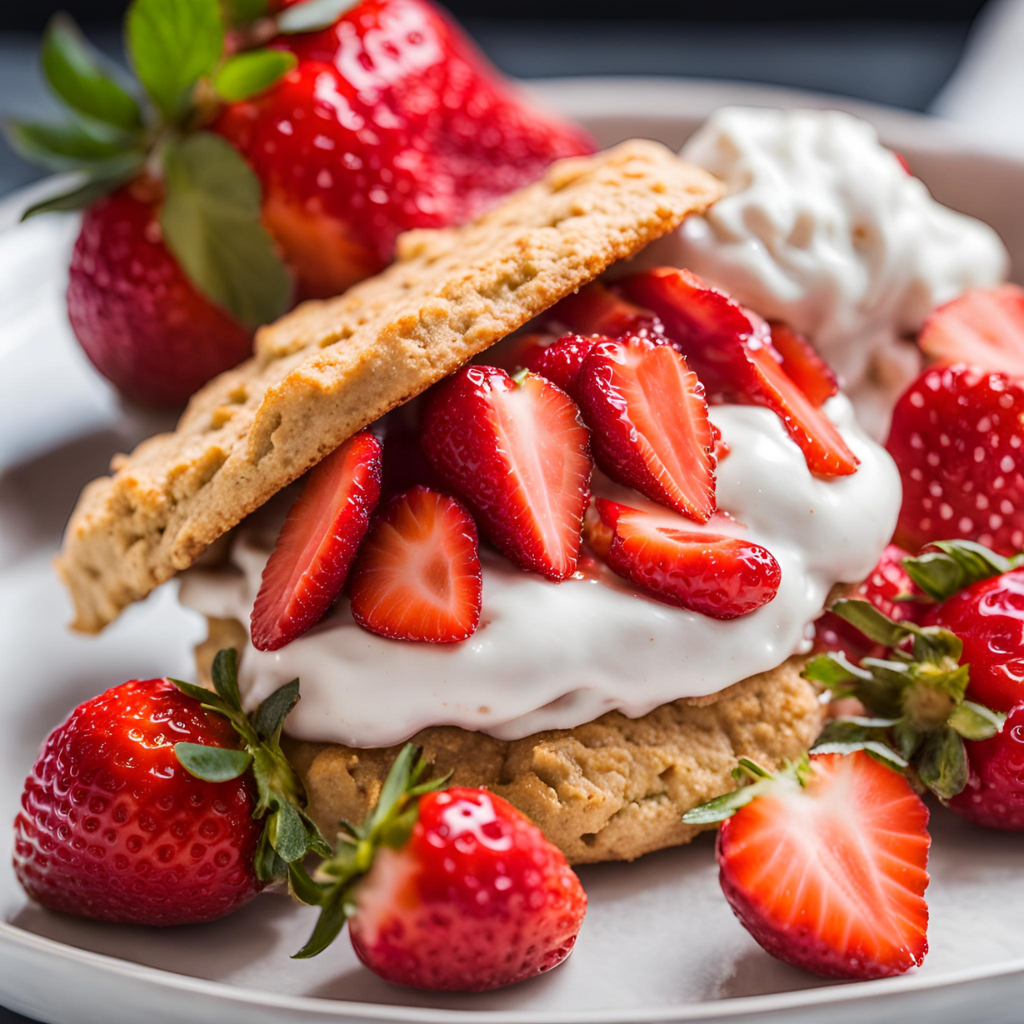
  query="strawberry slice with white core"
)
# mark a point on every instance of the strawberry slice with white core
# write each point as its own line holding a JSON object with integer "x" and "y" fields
{"x": 518, "y": 455}
{"x": 826, "y": 866}
{"x": 803, "y": 365}
{"x": 311, "y": 560}
{"x": 731, "y": 351}
{"x": 983, "y": 327}
{"x": 649, "y": 423}
{"x": 662, "y": 554}
{"x": 418, "y": 573}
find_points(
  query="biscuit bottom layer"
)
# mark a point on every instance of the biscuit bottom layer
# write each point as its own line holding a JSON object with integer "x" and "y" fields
{"x": 613, "y": 789}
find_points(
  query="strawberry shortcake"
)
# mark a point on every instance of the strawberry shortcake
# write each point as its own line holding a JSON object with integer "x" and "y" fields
{"x": 568, "y": 535}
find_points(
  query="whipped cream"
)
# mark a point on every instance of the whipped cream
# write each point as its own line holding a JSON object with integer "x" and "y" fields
{"x": 556, "y": 655}
{"x": 824, "y": 229}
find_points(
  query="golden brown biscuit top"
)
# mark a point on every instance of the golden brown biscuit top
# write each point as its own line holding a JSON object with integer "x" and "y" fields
{"x": 328, "y": 369}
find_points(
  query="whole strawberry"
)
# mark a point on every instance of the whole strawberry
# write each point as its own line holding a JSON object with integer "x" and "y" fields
{"x": 957, "y": 436}
{"x": 448, "y": 890}
{"x": 144, "y": 806}
{"x": 137, "y": 316}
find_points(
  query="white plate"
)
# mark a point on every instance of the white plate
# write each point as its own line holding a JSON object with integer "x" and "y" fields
{"x": 659, "y": 943}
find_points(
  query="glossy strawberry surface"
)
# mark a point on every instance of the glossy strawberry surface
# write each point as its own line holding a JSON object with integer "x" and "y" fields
{"x": 318, "y": 543}
{"x": 988, "y": 617}
{"x": 518, "y": 455}
{"x": 957, "y": 437}
{"x": 662, "y": 554}
{"x": 994, "y": 794}
{"x": 476, "y": 899}
{"x": 649, "y": 423}
{"x": 830, "y": 877}
{"x": 137, "y": 317}
{"x": 114, "y": 828}
{"x": 392, "y": 120}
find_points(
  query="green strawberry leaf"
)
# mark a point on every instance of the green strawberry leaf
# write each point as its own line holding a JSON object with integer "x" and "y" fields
{"x": 975, "y": 721}
{"x": 948, "y": 566}
{"x": 211, "y": 222}
{"x": 252, "y": 73}
{"x": 288, "y": 833}
{"x": 270, "y": 715}
{"x": 75, "y": 199}
{"x": 879, "y": 751}
{"x": 212, "y": 764}
{"x": 75, "y": 73}
{"x": 942, "y": 763}
{"x": 224, "y": 673}
{"x": 303, "y": 888}
{"x": 870, "y": 621}
{"x": 312, "y": 15}
{"x": 173, "y": 44}
{"x": 333, "y": 915}
{"x": 241, "y": 12}
{"x": 72, "y": 147}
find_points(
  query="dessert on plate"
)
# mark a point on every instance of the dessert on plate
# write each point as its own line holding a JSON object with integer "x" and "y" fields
{"x": 565, "y": 523}
{"x": 584, "y": 698}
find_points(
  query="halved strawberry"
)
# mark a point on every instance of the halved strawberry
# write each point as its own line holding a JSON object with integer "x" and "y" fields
{"x": 983, "y": 327}
{"x": 596, "y": 309}
{"x": 518, "y": 455}
{"x": 659, "y": 552}
{"x": 418, "y": 573}
{"x": 826, "y": 864}
{"x": 649, "y": 423}
{"x": 562, "y": 360}
{"x": 732, "y": 353}
{"x": 803, "y": 365}
{"x": 311, "y": 560}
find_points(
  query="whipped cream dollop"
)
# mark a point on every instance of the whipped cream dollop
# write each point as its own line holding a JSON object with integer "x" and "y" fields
{"x": 556, "y": 655}
{"x": 823, "y": 228}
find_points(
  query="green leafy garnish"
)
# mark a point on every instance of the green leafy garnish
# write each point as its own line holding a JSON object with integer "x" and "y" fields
{"x": 312, "y": 15}
{"x": 289, "y": 833}
{"x": 251, "y": 73}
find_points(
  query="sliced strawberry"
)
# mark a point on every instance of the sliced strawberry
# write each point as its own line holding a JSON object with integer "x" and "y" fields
{"x": 310, "y": 563}
{"x": 562, "y": 361}
{"x": 649, "y": 423}
{"x": 731, "y": 351}
{"x": 518, "y": 455}
{"x": 418, "y": 573}
{"x": 826, "y": 867}
{"x": 803, "y": 365}
{"x": 596, "y": 309}
{"x": 983, "y": 327}
{"x": 519, "y": 351}
{"x": 659, "y": 552}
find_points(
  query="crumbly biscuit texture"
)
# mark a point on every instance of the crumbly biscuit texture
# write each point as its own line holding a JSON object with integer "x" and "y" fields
{"x": 613, "y": 789}
{"x": 330, "y": 368}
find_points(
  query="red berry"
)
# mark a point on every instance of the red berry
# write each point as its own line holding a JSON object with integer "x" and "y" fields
{"x": 886, "y": 582}
{"x": 957, "y": 437}
{"x": 114, "y": 828}
{"x": 830, "y": 876}
{"x": 476, "y": 899}
{"x": 988, "y": 617}
{"x": 518, "y": 456}
{"x": 983, "y": 327}
{"x": 994, "y": 794}
{"x": 392, "y": 120}
{"x": 418, "y": 573}
{"x": 562, "y": 360}
{"x": 731, "y": 351}
{"x": 802, "y": 364}
{"x": 649, "y": 423}
{"x": 662, "y": 554}
{"x": 598, "y": 310}
{"x": 318, "y": 542}
{"x": 135, "y": 313}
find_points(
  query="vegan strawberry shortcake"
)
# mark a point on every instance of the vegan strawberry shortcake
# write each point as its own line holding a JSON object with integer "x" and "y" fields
{"x": 580, "y": 570}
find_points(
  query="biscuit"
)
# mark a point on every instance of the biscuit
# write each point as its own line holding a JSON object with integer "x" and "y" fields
{"x": 613, "y": 789}
{"x": 330, "y": 368}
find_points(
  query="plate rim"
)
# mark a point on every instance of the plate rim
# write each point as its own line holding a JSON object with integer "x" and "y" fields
{"x": 605, "y": 96}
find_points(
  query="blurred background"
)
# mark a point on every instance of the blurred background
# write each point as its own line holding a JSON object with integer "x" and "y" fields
{"x": 897, "y": 52}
